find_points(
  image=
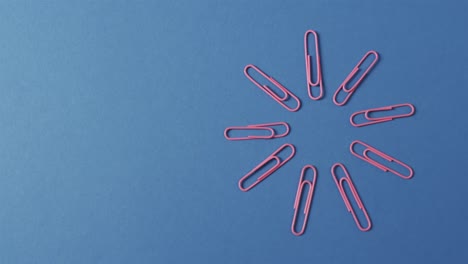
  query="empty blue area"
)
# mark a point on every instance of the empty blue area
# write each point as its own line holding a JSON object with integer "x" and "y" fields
{"x": 112, "y": 116}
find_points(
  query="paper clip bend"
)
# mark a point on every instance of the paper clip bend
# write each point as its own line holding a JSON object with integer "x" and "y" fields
{"x": 272, "y": 157}
{"x": 280, "y": 99}
{"x": 308, "y": 65}
{"x": 310, "y": 194}
{"x": 365, "y": 157}
{"x": 266, "y": 127}
{"x": 339, "y": 184}
{"x": 356, "y": 69}
{"x": 375, "y": 120}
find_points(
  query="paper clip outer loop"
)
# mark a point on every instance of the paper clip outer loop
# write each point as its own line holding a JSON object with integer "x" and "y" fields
{"x": 375, "y": 120}
{"x": 370, "y": 122}
{"x": 388, "y": 108}
{"x": 227, "y": 130}
{"x": 308, "y": 204}
{"x": 365, "y": 157}
{"x": 308, "y": 66}
{"x": 270, "y": 92}
{"x": 278, "y": 164}
{"x": 339, "y": 185}
{"x": 266, "y": 127}
{"x": 358, "y": 82}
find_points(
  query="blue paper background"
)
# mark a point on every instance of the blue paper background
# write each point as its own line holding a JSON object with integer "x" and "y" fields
{"x": 112, "y": 117}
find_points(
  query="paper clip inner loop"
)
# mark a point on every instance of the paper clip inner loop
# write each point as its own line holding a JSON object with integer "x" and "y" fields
{"x": 273, "y": 157}
{"x": 310, "y": 194}
{"x": 318, "y": 67}
{"x": 339, "y": 184}
{"x": 281, "y": 99}
{"x": 355, "y": 70}
{"x": 369, "y": 149}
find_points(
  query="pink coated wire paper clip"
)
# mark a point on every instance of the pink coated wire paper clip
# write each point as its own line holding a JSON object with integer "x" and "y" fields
{"x": 339, "y": 184}
{"x": 356, "y": 69}
{"x": 365, "y": 157}
{"x": 310, "y": 194}
{"x": 280, "y": 99}
{"x": 308, "y": 58}
{"x": 267, "y": 128}
{"x": 272, "y": 157}
{"x": 375, "y": 120}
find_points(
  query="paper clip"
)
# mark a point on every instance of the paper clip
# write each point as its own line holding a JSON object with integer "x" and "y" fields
{"x": 264, "y": 127}
{"x": 375, "y": 120}
{"x": 365, "y": 157}
{"x": 339, "y": 184}
{"x": 278, "y": 164}
{"x": 270, "y": 92}
{"x": 356, "y": 69}
{"x": 310, "y": 194}
{"x": 308, "y": 58}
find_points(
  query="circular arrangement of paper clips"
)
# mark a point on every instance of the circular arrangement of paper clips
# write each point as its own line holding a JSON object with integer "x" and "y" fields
{"x": 357, "y": 148}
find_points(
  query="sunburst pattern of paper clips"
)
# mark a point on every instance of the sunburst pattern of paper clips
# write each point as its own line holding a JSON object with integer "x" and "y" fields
{"x": 360, "y": 149}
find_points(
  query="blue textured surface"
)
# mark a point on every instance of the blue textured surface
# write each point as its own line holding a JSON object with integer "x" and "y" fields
{"x": 113, "y": 114}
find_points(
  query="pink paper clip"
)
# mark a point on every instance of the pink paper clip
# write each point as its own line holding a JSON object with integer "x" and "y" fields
{"x": 310, "y": 194}
{"x": 280, "y": 99}
{"x": 375, "y": 120}
{"x": 264, "y": 127}
{"x": 356, "y": 69}
{"x": 365, "y": 157}
{"x": 278, "y": 164}
{"x": 339, "y": 184}
{"x": 308, "y": 58}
